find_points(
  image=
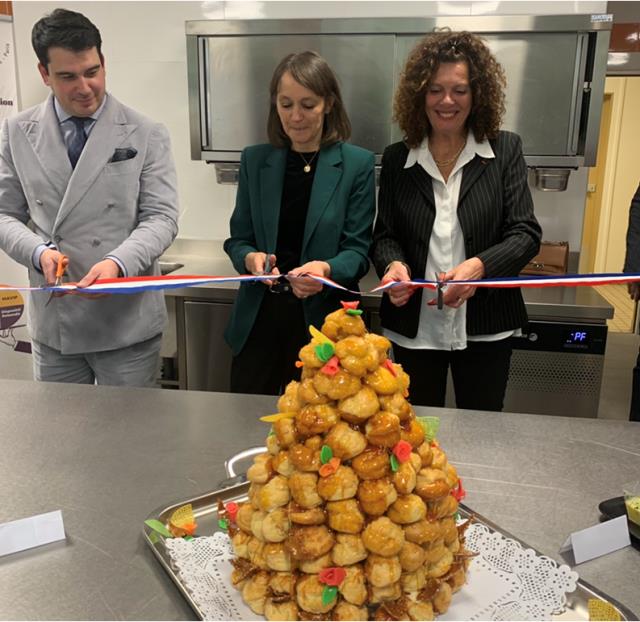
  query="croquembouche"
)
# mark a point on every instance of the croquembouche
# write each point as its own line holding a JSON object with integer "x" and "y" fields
{"x": 352, "y": 509}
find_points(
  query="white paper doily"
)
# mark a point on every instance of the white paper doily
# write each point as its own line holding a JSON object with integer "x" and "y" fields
{"x": 504, "y": 582}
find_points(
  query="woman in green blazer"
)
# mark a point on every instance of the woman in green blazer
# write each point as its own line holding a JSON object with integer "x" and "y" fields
{"x": 305, "y": 205}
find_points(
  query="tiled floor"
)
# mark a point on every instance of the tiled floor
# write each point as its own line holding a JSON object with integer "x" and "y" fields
{"x": 624, "y": 317}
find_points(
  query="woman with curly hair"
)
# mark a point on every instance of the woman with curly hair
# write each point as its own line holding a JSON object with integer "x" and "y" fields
{"x": 453, "y": 204}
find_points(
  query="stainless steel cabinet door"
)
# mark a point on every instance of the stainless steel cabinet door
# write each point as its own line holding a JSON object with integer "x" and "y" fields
{"x": 208, "y": 357}
{"x": 544, "y": 73}
{"x": 237, "y": 71}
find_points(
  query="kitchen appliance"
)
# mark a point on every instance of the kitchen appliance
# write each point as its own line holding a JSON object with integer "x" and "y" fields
{"x": 558, "y": 57}
{"x": 556, "y": 369}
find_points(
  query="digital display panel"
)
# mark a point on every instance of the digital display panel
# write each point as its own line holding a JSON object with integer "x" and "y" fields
{"x": 577, "y": 337}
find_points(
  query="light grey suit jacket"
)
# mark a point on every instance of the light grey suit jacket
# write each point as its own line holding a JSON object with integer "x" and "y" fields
{"x": 126, "y": 208}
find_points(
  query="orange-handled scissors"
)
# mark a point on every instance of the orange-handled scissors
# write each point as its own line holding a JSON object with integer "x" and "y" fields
{"x": 63, "y": 260}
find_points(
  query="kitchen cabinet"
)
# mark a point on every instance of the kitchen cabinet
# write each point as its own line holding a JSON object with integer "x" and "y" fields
{"x": 207, "y": 357}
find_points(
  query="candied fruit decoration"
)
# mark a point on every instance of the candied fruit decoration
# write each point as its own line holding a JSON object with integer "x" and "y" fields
{"x": 324, "y": 351}
{"x": 318, "y": 336}
{"x": 332, "y": 576}
{"x": 350, "y": 304}
{"x": 402, "y": 451}
{"x": 232, "y": 510}
{"x": 332, "y": 366}
{"x": 389, "y": 365}
{"x": 326, "y": 454}
{"x": 330, "y": 467}
{"x": 329, "y": 594}
{"x": 459, "y": 493}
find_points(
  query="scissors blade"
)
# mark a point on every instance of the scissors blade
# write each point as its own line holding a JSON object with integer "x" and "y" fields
{"x": 440, "y": 299}
{"x": 60, "y": 270}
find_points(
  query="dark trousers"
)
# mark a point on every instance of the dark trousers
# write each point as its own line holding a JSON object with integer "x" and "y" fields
{"x": 634, "y": 411}
{"x": 480, "y": 374}
{"x": 266, "y": 364}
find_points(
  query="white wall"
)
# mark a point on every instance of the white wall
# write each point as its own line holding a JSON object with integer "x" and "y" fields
{"x": 144, "y": 47}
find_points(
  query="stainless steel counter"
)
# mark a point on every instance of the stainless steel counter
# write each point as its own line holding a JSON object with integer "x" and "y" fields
{"x": 206, "y": 257}
{"x": 108, "y": 456}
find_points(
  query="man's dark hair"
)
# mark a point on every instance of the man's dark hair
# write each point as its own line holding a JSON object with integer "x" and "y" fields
{"x": 64, "y": 29}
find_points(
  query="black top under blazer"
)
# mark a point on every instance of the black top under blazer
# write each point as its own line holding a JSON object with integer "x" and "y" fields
{"x": 495, "y": 211}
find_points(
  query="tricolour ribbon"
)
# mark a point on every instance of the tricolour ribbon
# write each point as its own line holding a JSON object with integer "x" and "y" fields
{"x": 136, "y": 285}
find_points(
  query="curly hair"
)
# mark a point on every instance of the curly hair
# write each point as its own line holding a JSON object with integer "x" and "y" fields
{"x": 486, "y": 79}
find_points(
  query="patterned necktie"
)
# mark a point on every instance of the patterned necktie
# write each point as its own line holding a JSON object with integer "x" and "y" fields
{"x": 78, "y": 139}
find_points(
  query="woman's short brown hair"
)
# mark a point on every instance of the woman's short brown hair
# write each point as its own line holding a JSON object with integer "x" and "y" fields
{"x": 313, "y": 72}
{"x": 486, "y": 78}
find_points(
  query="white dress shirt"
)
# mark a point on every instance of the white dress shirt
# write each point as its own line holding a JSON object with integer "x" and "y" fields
{"x": 444, "y": 329}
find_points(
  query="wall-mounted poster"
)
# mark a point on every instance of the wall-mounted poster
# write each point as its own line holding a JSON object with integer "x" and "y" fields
{"x": 8, "y": 88}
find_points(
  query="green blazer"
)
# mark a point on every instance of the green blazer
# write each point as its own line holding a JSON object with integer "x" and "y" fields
{"x": 337, "y": 230}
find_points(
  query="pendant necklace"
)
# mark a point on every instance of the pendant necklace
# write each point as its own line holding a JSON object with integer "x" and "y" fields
{"x": 450, "y": 160}
{"x": 307, "y": 163}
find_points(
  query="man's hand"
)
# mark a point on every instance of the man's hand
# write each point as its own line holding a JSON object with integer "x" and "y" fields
{"x": 105, "y": 269}
{"x": 398, "y": 294}
{"x": 49, "y": 264}
{"x": 456, "y": 295}
{"x": 634, "y": 291}
{"x": 303, "y": 287}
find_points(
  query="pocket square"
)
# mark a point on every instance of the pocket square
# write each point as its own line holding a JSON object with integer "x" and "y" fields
{"x": 123, "y": 153}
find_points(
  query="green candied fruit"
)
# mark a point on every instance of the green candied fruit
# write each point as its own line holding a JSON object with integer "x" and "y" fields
{"x": 324, "y": 351}
{"x": 354, "y": 311}
{"x": 325, "y": 454}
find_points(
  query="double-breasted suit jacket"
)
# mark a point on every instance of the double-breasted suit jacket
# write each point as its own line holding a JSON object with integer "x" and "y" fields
{"x": 125, "y": 207}
{"x": 495, "y": 211}
{"x": 337, "y": 228}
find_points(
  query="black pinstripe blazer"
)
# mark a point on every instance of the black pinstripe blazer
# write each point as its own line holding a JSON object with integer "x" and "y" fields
{"x": 495, "y": 211}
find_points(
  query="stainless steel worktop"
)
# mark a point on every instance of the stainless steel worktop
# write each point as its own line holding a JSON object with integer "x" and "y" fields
{"x": 108, "y": 456}
{"x": 207, "y": 258}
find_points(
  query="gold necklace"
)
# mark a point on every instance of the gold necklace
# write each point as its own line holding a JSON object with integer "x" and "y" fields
{"x": 307, "y": 164}
{"x": 450, "y": 160}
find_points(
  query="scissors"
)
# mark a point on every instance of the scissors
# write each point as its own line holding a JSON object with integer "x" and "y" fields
{"x": 60, "y": 270}
{"x": 440, "y": 299}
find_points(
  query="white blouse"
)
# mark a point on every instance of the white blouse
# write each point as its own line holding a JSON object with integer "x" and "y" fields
{"x": 444, "y": 329}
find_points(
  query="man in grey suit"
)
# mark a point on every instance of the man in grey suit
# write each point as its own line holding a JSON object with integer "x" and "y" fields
{"x": 82, "y": 175}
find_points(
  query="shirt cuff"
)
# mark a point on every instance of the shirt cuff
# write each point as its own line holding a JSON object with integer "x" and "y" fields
{"x": 35, "y": 258}
{"x": 123, "y": 270}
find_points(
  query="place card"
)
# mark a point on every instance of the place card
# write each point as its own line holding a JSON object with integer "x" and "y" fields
{"x": 598, "y": 540}
{"x": 26, "y": 533}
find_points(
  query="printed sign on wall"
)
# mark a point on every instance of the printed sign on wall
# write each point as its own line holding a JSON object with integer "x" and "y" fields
{"x": 8, "y": 89}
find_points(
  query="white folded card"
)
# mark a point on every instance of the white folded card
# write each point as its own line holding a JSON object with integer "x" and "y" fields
{"x": 26, "y": 533}
{"x": 598, "y": 540}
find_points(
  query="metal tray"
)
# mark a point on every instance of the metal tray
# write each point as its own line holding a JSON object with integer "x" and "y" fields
{"x": 236, "y": 487}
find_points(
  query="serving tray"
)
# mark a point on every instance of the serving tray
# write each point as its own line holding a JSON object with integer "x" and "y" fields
{"x": 235, "y": 488}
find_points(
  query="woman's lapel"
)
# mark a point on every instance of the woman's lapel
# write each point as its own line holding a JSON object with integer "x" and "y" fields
{"x": 327, "y": 175}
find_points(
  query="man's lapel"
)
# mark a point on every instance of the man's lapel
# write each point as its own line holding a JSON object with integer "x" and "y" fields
{"x": 327, "y": 175}
{"x": 271, "y": 182}
{"x": 42, "y": 131}
{"x": 110, "y": 131}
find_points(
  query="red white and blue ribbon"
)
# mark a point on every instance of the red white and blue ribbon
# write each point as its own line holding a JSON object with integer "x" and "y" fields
{"x": 136, "y": 285}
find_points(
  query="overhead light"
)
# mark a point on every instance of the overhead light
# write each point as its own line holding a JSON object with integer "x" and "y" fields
{"x": 615, "y": 59}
